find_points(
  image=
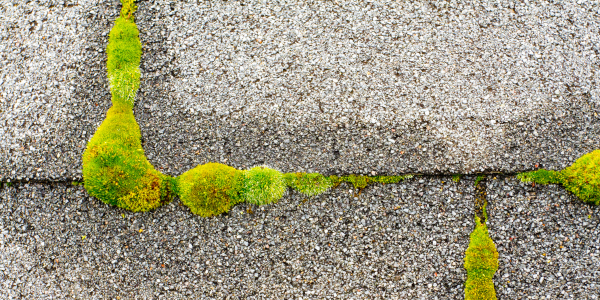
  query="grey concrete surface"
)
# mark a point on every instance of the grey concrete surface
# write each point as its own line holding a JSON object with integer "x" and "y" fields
{"x": 378, "y": 86}
{"x": 548, "y": 241}
{"x": 337, "y": 87}
{"x": 398, "y": 241}
{"x": 53, "y": 87}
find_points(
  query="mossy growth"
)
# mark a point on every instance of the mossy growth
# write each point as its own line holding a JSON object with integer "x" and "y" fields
{"x": 456, "y": 177}
{"x": 124, "y": 51}
{"x": 360, "y": 182}
{"x": 582, "y": 178}
{"x": 481, "y": 262}
{"x": 479, "y": 179}
{"x": 309, "y": 184}
{"x": 263, "y": 185}
{"x": 211, "y": 189}
{"x": 115, "y": 169}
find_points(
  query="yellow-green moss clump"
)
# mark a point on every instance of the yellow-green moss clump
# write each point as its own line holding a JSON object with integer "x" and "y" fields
{"x": 309, "y": 184}
{"x": 211, "y": 189}
{"x": 481, "y": 262}
{"x": 115, "y": 169}
{"x": 263, "y": 185}
{"x": 582, "y": 178}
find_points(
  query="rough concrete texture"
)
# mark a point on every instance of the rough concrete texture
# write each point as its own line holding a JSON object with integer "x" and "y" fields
{"x": 361, "y": 87}
{"x": 53, "y": 87}
{"x": 398, "y": 241}
{"x": 548, "y": 241}
{"x": 346, "y": 87}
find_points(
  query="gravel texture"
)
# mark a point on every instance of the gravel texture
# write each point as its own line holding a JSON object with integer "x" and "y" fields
{"x": 53, "y": 87}
{"x": 548, "y": 241}
{"x": 398, "y": 241}
{"x": 377, "y": 86}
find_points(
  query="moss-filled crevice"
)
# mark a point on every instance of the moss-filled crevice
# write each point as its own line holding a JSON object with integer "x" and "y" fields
{"x": 481, "y": 257}
{"x": 115, "y": 169}
{"x": 582, "y": 178}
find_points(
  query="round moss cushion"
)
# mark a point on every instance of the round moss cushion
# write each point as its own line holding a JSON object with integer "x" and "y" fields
{"x": 210, "y": 189}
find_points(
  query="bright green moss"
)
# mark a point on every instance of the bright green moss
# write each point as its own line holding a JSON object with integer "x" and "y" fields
{"x": 481, "y": 262}
{"x": 124, "y": 52}
{"x": 582, "y": 178}
{"x": 210, "y": 189}
{"x": 310, "y": 184}
{"x": 115, "y": 169}
{"x": 263, "y": 185}
{"x": 358, "y": 181}
{"x": 541, "y": 176}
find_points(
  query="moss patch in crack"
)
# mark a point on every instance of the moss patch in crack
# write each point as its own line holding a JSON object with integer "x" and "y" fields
{"x": 263, "y": 185}
{"x": 360, "y": 182}
{"x": 582, "y": 178}
{"x": 481, "y": 257}
{"x": 456, "y": 177}
{"x": 481, "y": 262}
{"x": 211, "y": 189}
{"x": 115, "y": 169}
{"x": 309, "y": 184}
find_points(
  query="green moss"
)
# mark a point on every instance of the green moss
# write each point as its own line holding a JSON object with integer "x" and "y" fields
{"x": 582, "y": 178}
{"x": 479, "y": 179}
{"x": 456, "y": 177}
{"x": 360, "y": 182}
{"x": 115, "y": 169}
{"x": 210, "y": 189}
{"x": 481, "y": 262}
{"x": 541, "y": 176}
{"x": 123, "y": 58}
{"x": 263, "y": 185}
{"x": 388, "y": 179}
{"x": 310, "y": 184}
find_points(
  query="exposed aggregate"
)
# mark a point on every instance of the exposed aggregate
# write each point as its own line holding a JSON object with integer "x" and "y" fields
{"x": 53, "y": 87}
{"x": 398, "y": 241}
{"x": 548, "y": 241}
{"x": 378, "y": 86}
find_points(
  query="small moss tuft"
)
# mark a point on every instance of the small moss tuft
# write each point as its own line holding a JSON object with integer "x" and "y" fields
{"x": 479, "y": 179}
{"x": 311, "y": 184}
{"x": 541, "y": 177}
{"x": 582, "y": 178}
{"x": 210, "y": 189}
{"x": 388, "y": 179}
{"x": 358, "y": 181}
{"x": 481, "y": 262}
{"x": 263, "y": 185}
{"x": 456, "y": 177}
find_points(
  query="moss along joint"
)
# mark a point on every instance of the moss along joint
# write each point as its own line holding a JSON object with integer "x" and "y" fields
{"x": 116, "y": 170}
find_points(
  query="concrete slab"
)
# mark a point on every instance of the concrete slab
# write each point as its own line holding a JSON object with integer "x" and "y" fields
{"x": 548, "y": 242}
{"x": 398, "y": 241}
{"x": 361, "y": 87}
{"x": 53, "y": 87}
{"x": 379, "y": 87}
